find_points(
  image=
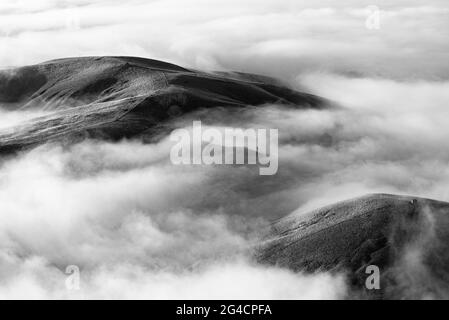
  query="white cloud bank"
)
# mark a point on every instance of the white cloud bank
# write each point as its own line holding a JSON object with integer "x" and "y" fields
{"x": 123, "y": 215}
{"x": 131, "y": 220}
{"x": 281, "y": 38}
{"x": 139, "y": 227}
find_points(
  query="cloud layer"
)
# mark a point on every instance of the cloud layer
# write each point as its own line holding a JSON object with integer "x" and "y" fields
{"x": 123, "y": 212}
{"x": 275, "y": 38}
{"x": 136, "y": 226}
{"x": 139, "y": 227}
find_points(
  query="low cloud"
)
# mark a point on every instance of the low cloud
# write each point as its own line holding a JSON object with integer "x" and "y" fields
{"x": 136, "y": 226}
{"x": 139, "y": 227}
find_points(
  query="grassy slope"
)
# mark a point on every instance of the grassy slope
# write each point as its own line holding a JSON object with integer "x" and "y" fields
{"x": 121, "y": 97}
{"x": 379, "y": 229}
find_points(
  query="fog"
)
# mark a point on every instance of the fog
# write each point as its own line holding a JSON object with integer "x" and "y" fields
{"x": 138, "y": 226}
{"x": 131, "y": 220}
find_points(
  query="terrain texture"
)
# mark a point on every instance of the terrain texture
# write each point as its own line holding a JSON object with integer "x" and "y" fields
{"x": 123, "y": 97}
{"x": 405, "y": 237}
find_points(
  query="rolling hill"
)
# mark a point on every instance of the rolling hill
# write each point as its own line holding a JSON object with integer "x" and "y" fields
{"x": 124, "y": 97}
{"x": 113, "y": 98}
{"x": 406, "y": 237}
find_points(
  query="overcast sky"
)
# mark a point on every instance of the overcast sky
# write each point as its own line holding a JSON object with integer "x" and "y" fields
{"x": 281, "y": 38}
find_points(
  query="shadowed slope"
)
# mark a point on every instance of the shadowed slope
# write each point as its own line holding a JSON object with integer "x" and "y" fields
{"x": 406, "y": 237}
{"x": 121, "y": 97}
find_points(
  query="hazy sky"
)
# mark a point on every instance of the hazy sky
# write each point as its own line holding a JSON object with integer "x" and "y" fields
{"x": 281, "y": 38}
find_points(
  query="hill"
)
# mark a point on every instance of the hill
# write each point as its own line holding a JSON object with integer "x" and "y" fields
{"x": 124, "y": 97}
{"x": 406, "y": 237}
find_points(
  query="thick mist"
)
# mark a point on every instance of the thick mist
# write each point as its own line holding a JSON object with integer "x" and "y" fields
{"x": 139, "y": 227}
{"x": 136, "y": 226}
{"x": 134, "y": 222}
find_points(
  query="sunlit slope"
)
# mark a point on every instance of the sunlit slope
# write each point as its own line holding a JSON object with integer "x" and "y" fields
{"x": 121, "y": 97}
{"x": 406, "y": 237}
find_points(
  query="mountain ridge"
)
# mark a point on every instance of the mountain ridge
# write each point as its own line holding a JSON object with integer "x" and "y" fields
{"x": 124, "y": 97}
